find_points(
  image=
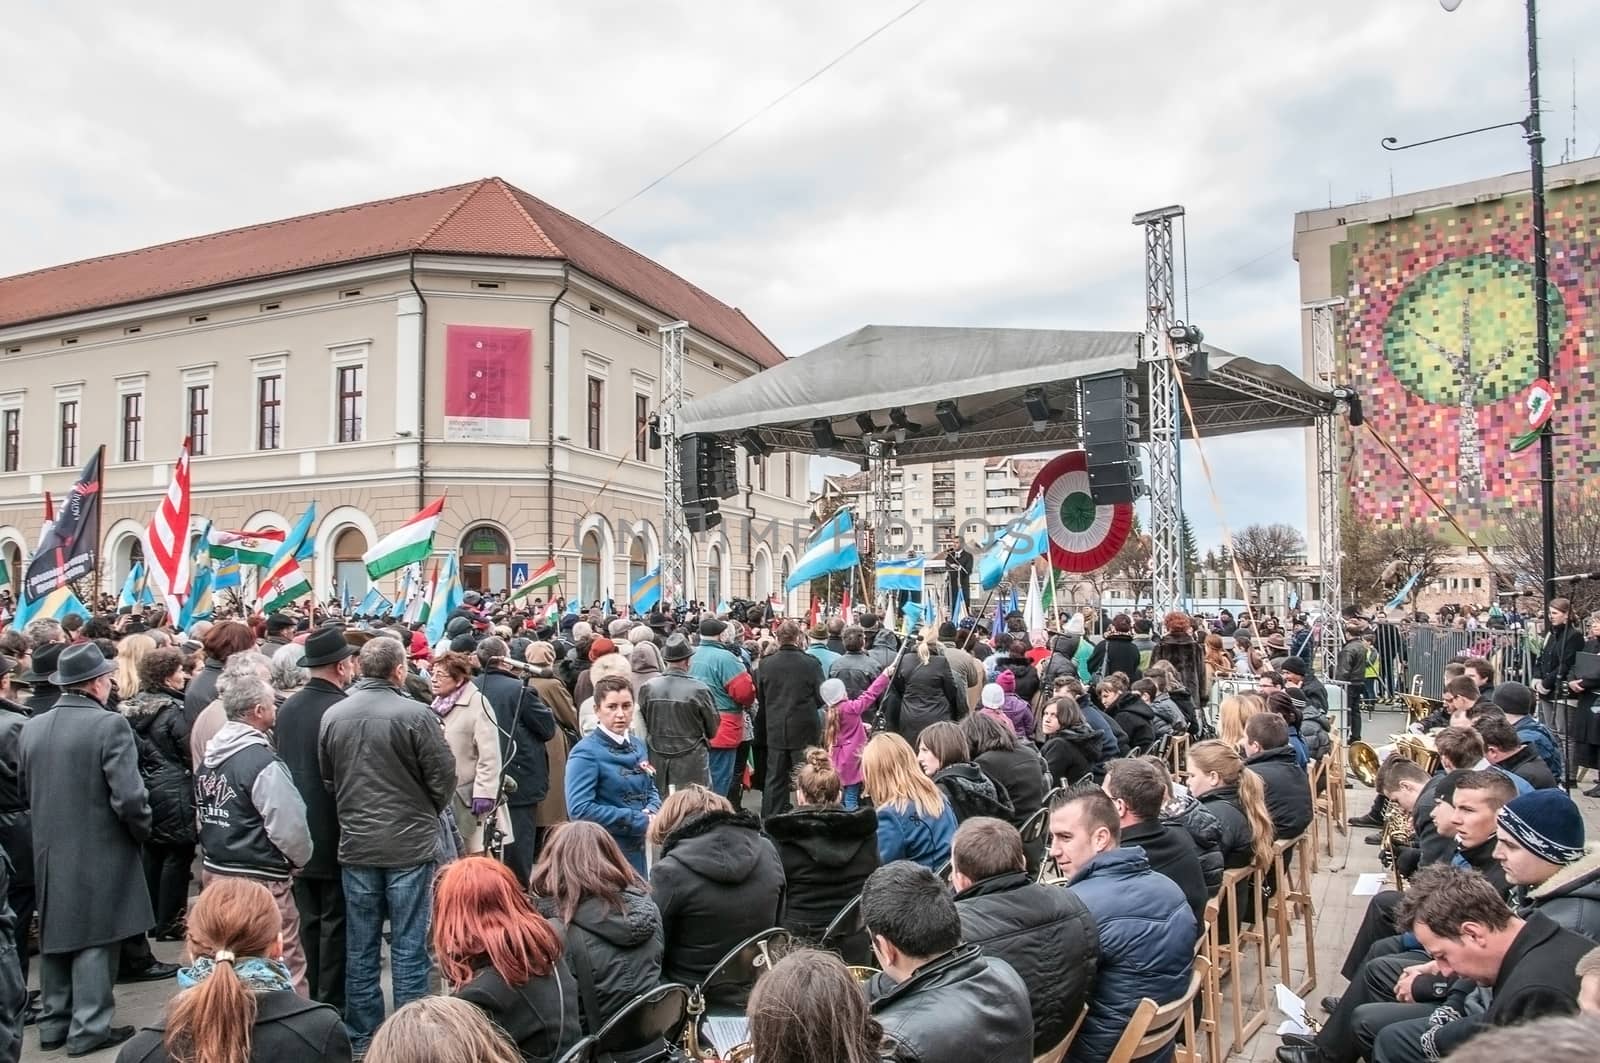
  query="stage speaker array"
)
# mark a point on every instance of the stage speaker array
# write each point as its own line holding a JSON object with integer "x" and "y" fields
{"x": 1110, "y": 436}
{"x": 709, "y": 469}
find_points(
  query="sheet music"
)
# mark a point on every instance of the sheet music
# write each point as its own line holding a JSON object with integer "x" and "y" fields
{"x": 726, "y": 1031}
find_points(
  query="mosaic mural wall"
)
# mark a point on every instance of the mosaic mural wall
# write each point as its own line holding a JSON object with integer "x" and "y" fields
{"x": 1439, "y": 339}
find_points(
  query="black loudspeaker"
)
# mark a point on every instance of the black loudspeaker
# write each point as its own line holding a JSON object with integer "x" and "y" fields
{"x": 724, "y": 468}
{"x": 1110, "y": 432}
{"x": 696, "y": 466}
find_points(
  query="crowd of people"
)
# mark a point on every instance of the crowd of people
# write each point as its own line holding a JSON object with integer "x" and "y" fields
{"x": 543, "y": 820}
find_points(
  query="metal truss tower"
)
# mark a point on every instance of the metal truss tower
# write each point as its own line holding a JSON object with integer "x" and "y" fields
{"x": 674, "y": 531}
{"x": 1166, "y": 489}
{"x": 1330, "y": 549}
{"x": 880, "y": 456}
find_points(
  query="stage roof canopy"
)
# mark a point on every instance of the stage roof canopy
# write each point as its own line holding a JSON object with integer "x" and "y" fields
{"x": 986, "y": 372}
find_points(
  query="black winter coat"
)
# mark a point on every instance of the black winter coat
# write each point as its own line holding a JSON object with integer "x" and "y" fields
{"x": 1136, "y": 718}
{"x": 1070, "y": 755}
{"x": 1187, "y": 656}
{"x": 1537, "y": 978}
{"x": 540, "y": 1015}
{"x": 1116, "y": 653}
{"x": 525, "y": 724}
{"x": 162, "y": 733}
{"x": 827, "y": 853}
{"x": 1557, "y": 657}
{"x": 1288, "y": 791}
{"x": 202, "y": 690}
{"x": 299, "y": 722}
{"x": 1527, "y": 763}
{"x": 1172, "y": 853}
{"x": 1204, "y": 830}
{"x": 964, "y": 1005}
{"x": 789, "y": 688}
{"x": 1019, "y": 774}
{"x": 1571, "y": 898}
{"x": 1063, "y": 660}
{"x": 717, "y": 882}
{"x": 972, "y": 793}
{"x": 1048, "y": 937}
{"x": 622, "y": 951}
{"x": 1027, "y": 677}
{"x": 1235, "y": 838}
{"x": 927, "y": 693}
{"x": 856, "y": 671}
{"x": 288, "y": 1027}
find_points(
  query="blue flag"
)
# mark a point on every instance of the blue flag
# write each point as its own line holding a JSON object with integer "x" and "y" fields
{"x": 374, "y": 604}
{"x": 132, "y": 587}
{"x": 900, "y": 574}
{"x": 297, "y": 542}
{"x": 645, "y": 591}
{"x": 226, "y": 575}
{"x": 1019, "y": 542}
{"x": 831, "y": 548}
{"x": 960, "y": 612}
{"x": 447, "y": 596}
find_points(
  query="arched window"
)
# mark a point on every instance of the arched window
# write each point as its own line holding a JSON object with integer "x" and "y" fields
{"x": 761, "y": 578}
{"x": 13, "y": 557}
{"x": 588, "y": 568}
{"x": 127, "y": 551}
{"x": 784, "y": 582}
{"x": 714, "y": 576}
{"x": 638, "y": 560}
{"x": 485, "y": 560}
{"x": 349, "y": 571}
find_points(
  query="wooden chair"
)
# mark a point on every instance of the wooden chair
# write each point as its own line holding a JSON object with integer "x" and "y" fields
{"x": 847, "y": 935}
{"x": 1210, "y": 990}
{"x": 1291, "y": 903}
{"x": 1178, "y": 756}
{"x": 1155, "y": 1026}
{"x": 1338, "y": 767}
{"x": 1327, "y": 802}
{"x": 1246, "y": 940}
{"x": 1059, "y": 1052}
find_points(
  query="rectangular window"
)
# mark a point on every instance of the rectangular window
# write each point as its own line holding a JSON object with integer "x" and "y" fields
{"x": 641, "y": 427}
{"x": 596, "y": 410}
{"x": 788, "y": 475}
{"x": 761, "y": 472}
{"x": 13, "y": 440}
{"x": 200, "y": 419}
{"x": 269, "y": 412}
{"x": 352, "y": 402}
{"x": 68, "y": 451}
{"x": 133, "y": 426}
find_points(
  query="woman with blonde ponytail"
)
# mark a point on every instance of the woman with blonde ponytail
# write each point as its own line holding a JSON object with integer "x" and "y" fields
{"x": 1235, "y": 795}
{"x": 238, "y": 1004}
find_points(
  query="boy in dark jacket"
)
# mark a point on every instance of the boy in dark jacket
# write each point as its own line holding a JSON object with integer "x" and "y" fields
{"x": 1117, "y": 651}
{"x": 1268, "y": 754}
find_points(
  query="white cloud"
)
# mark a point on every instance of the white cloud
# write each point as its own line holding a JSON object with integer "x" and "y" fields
{"x": 973, "y": 164}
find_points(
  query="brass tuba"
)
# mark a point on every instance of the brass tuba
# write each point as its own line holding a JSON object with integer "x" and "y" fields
{"x": 1364, "y": 763}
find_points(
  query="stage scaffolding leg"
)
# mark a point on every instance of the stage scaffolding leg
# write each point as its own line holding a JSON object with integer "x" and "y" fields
{"x": 1166, "y": 490}
{"x": 674, "y": 532}
{"x": 1330, "y": 550}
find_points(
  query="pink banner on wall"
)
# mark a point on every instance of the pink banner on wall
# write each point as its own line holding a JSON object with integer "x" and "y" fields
{"x": 488, "y": 374}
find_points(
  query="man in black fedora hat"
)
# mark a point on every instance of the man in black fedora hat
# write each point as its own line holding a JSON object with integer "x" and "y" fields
{"x": 42, "y": 693}
{"x": 318, "y": 889}
{"x": 80, "y": 765}
{"x": 680, "y": 717}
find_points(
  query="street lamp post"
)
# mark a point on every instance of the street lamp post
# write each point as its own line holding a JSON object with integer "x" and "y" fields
{"x": 1534, "y": 135}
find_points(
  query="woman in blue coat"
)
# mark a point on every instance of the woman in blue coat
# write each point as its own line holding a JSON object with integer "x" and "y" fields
{"x": 609, "y": 778}
{"x": 915, "y": 822}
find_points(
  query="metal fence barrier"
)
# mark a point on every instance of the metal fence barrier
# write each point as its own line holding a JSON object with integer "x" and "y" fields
{"x": 1422, "y": 650}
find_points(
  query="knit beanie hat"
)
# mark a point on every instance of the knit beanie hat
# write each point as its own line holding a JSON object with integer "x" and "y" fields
{"x": 993, "y": 696}
{"x": 1074, "y": 624}
{"x": 833, "y": 692}
{"x": 1547, "y": 823}
{"x": 1006, "y": 680}
{"x": 1513, "y": 699}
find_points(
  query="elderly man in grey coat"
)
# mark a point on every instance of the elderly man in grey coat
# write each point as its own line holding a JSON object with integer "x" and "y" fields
{"x": 80, "y": 765}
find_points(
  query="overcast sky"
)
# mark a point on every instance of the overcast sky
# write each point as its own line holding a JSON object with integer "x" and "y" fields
{"x": 974, "y": 164}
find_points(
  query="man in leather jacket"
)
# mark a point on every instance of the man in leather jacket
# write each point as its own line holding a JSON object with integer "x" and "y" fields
{"x": 939, "y": 1001}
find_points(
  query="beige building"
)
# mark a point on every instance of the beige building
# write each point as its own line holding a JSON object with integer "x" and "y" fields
{"x": 470, "y": 341}
{"x": 936, "y": 500}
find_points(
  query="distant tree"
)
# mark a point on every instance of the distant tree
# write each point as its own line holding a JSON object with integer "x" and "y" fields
{"x": 1363, "y": 561}
{"x": 1415, "y": 549}
{"x": 1191, "y": 552}
{"x": 1266, "y": 551}
{"x": 1131, "y": 564}
{"x": 1577, "y": 548}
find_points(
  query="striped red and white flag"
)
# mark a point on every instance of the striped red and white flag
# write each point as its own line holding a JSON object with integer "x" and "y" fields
{"x": 166, "y": 547}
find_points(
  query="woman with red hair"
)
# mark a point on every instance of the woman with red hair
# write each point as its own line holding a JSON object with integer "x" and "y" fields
{"x": 498, "y": 953}
{"x": 1179, "y": 648}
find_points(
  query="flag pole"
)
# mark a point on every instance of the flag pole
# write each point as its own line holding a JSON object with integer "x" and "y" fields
{"x": 1055, "y": 603}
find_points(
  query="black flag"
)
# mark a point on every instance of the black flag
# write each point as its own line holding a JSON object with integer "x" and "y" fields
{"x": 70, "y": 548}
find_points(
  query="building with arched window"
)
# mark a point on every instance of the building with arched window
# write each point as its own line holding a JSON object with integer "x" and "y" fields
{"x": 471, "y": 342}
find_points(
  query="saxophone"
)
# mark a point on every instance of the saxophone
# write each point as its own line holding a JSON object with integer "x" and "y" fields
{"x": 1398, "y": 830}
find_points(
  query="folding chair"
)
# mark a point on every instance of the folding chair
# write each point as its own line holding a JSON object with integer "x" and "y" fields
{"x": 847, "y": 935}
{"x": 657, "y": 1017}
{"x": 1155, "y": 1026}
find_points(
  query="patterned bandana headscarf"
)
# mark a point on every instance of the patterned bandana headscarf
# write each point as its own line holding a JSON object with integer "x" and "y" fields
{"x": 259, "y": 974}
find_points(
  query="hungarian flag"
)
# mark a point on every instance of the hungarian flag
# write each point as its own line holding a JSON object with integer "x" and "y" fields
{"x": 546, "y": 575}
{"x": 284, "y": 584}
{"x": 412, "y": 541}
{"x": 246, "y": 547}
{"x": 552, "y": 612}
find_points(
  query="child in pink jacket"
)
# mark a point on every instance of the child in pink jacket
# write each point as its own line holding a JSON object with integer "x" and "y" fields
{"x": 844, "y": 733}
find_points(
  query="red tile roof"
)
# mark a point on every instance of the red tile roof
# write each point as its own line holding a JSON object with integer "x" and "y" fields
{"x": 486, "y": 217}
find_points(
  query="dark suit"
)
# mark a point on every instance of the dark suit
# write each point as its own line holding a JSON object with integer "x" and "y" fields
{"x": 319, "y": 888}
{"x": 789, "y": 689}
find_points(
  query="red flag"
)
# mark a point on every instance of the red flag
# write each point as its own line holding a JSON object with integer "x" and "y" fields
{"x": 844, "y": 605}
{"x": 811, "y": 616}
{"x": 166, "y": 547}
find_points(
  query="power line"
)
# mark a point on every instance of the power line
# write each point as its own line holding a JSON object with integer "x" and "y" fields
{"x": 835, "y": 61}
{"x": 1273, "y": 250}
